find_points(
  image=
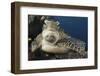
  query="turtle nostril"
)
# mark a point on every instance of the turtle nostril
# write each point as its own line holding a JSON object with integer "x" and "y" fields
{"x": 47, "y": 36}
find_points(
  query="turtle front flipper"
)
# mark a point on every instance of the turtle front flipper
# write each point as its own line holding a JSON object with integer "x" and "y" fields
{"x": 36, "y": 43}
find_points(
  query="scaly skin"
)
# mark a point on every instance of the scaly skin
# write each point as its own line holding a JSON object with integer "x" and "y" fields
{"x": 53, "y": 39}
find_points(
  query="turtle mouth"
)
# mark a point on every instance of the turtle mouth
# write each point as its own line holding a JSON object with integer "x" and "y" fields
{"x": 50, "y": 36}
{"x": 50, "y": 39}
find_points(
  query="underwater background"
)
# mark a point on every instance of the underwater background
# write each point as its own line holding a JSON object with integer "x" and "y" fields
{"x": 77, "y": 27}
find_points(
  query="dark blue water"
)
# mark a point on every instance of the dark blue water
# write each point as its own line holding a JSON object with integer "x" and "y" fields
{"x": 76, "y": 26}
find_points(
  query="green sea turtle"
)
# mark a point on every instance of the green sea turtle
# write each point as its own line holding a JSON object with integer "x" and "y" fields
{"x": 53, "y": 39}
